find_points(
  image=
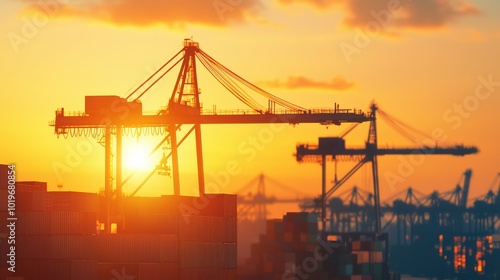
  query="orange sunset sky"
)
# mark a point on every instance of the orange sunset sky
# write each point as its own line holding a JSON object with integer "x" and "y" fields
{"x": 431, "y": 63}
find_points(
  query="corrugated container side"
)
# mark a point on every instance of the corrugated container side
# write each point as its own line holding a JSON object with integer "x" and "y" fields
{"x": 69, "y": 222}
{"x": 148, "y": 248}
{"x": 231, "y": 225}
{"x": 4, "y": 173}
{"x": 169, "y": 248}
{"x": 135, "y": 248}
{"x": 150, "y": 224}
{"x": 107, "y": 271}
{"x": 4, "y": 194}
{"x": 33, "y": 223}
{"x": 34, "y": 247}
{"x": 71, "y": 201}
{"x": 84, "y": 270}
{"x": 77, "y": 247}
{"x": 230, "y": 255}
{"x": 202, "y": 273}
{"x": 230, "y": 205}
{"x": 150, "y": 271}
{"x": 58, "y": 269}
{"x": 31, "y": 186}
{"x": 231, "y": 274}
{"x": 34, "y": 268}
{"x": 207, "y": 255}
{"x": 171, "y": 271}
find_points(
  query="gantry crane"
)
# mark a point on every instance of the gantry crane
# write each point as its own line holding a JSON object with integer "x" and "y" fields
{"x": 334, "y": 147}
{"x": 257, "y": 203}
{"x": 106, "y": 116}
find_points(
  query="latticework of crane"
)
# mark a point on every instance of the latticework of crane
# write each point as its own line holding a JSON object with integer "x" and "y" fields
{"x": 253, "y": 206}
{"x": 333, "y": 148}
{"x": 106, "y": 117}
{"x": 410, "y": 213}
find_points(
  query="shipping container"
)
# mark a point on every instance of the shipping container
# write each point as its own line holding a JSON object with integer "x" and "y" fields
{"x": 208, "y": 274}
{"x": 77, "y": 247}
{"x": 4, "y": 173}
{"x": 150, "y": 224}
{"x": 169, "y": 248}
{"x": 31, "y": 186}
{"x": 30, "y": 201}
{"x": 33, "y": 223}
{"x": 157, "y": 271}
{"x": 71, "y": 201}
{"x": 68, "y": 222}
{"x": 207, "y": 255}
{"x": 231, "y": 233}
{"x": 132, "y": 248}
{"x": 117, "y": 270}
{"x": 206, "y": 229}
{"x": 57, "y": 269}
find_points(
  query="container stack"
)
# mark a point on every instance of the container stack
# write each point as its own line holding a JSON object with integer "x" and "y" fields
{"x": 361, "y": 256}
{"x": 170, "y": 237}
{"x": 286, "y": 244}
{"x": 293, "y": 248}
{"x": 186, "y": 238}
{"x": 55, "y": 242}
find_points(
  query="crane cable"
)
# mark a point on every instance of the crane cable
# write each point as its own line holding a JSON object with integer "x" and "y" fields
{"x": 229, "y": 85}
{"x": 159, "y": 78}
{"x": 154, "y": 74}
{"x": 257, "y": 89}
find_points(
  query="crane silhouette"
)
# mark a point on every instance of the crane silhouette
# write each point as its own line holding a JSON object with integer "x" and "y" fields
{"x": 111, "y": 117}
{"x": 333, "y": 148}
{"x": 254, "y": 205}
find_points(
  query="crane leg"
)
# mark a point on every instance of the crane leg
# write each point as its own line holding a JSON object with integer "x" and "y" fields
{"x": 175, "y": 158}
{"x": 107, "y": 179}
{"x": 323, "y": 193}
{"x": 199, "y": 156}
{"x": 376, "y": 193}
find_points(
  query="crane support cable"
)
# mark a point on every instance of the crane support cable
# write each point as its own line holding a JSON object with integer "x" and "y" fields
{"x": 230, "y": 86}
{"x": 240, "y": 94}
{"x": 150, "y": 77}
{"x": 402, "y": 124}
{"x": 259, "y": 90}
{"x": 349, "y": 130}
{"x": 278, "y": 100}
{"x": 159, "y": 78}
{"x": 399, "y": 129}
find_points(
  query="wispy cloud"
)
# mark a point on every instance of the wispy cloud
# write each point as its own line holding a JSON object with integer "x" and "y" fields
{"x": 416, "y": 14}
{"x": 299, "y": 82}
{"x": 152, "y": 12}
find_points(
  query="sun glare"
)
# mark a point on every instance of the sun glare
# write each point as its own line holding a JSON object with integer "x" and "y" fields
{"x": 135, "y": 157}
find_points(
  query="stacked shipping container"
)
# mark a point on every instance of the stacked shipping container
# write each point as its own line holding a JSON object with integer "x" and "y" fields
{"x": 292, "y": 248}
{"x": 57, "y": 237}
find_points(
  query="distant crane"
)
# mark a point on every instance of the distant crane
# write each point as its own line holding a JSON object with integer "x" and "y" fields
{"x": 255, "y": 205}
{"x": 334, "y": 148}
{"x": 106, "y": 116}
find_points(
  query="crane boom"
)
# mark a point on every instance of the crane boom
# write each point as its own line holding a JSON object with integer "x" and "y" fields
{"x": 312, "y": 151}
{"x": 63, "y": 121}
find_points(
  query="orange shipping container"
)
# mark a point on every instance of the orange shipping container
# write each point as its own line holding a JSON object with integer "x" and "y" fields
{"x": 107, "y": 271}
